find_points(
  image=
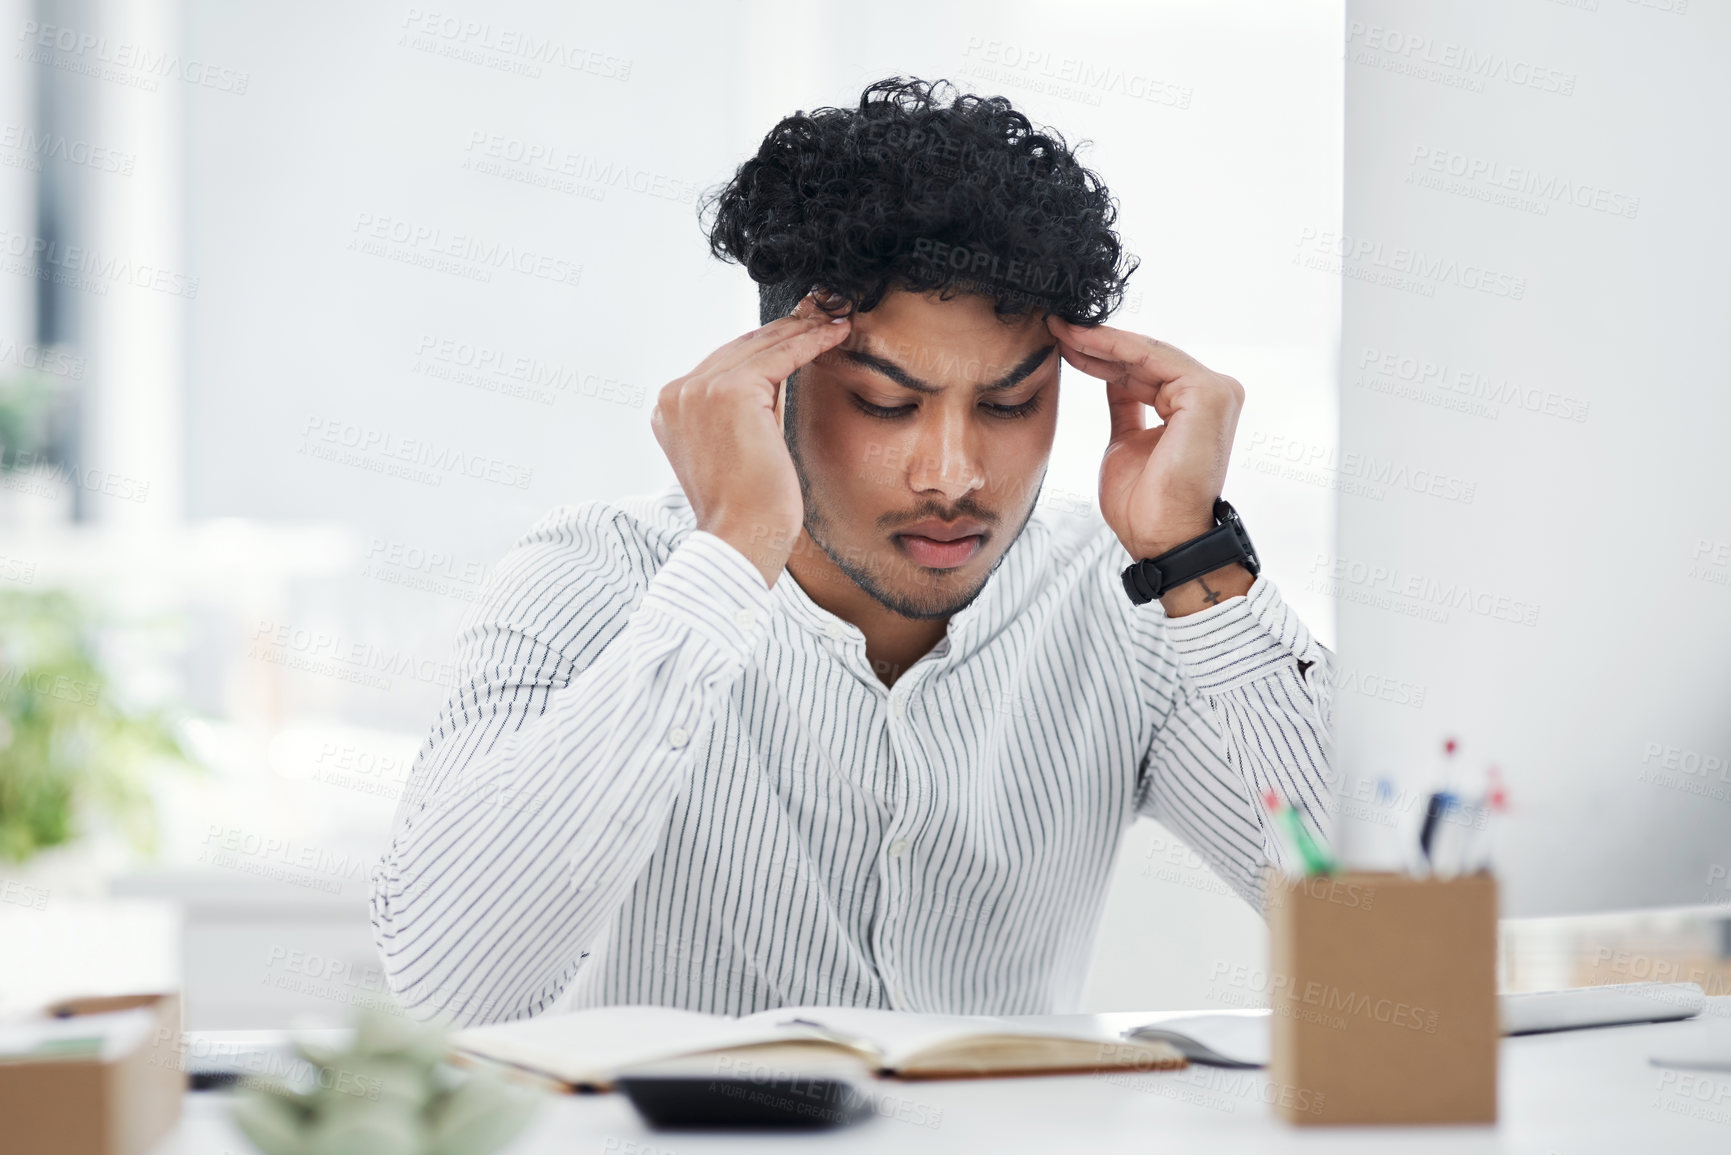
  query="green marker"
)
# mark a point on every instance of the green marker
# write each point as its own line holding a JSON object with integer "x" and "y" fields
{"x": 1315, "y": 860}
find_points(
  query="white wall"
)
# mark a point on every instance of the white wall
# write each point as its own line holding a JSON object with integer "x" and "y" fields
{"x": 1535, "y": 305}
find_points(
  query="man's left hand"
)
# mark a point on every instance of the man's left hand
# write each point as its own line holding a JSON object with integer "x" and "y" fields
{"x": 1157, "y": 486}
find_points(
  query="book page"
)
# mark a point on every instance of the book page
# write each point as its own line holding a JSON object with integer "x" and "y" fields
{"x": 898, "y": 1036}
{"x": 588, "y": 1047}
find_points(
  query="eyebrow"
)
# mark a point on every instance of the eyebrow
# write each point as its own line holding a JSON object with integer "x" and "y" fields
{"x": 907, "y": 380}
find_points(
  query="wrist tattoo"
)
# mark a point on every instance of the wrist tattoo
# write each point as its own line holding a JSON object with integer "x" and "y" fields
{"x": 1211, "y": 596}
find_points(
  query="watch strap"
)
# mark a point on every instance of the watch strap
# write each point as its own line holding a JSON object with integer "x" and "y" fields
{"x": 1227, "y": 543}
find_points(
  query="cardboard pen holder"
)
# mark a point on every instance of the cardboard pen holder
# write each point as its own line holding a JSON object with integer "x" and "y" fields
{"x": 1383, "y": 994}
{"x": 93, "y": 1106}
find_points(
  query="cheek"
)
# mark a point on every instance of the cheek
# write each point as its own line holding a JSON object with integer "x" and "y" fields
{"x": 1017, "y": 460}
{"x": 846, "y": 450}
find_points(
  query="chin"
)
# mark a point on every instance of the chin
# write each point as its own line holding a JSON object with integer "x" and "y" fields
{"x": 936, "y": 593}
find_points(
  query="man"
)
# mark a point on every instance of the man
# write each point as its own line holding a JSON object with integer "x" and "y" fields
{"x": 843, "y": 717}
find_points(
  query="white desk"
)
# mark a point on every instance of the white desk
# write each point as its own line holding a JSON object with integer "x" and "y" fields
{"x": 1573, "y": 1093}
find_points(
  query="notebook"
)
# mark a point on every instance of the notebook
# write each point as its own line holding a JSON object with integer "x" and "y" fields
{"x": 588, "y": 1049}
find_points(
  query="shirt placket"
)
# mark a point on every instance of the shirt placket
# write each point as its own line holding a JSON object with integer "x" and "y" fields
{"x": 903, "y": 707}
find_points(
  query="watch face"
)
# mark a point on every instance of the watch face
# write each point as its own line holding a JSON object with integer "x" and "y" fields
{"x": 1251, "y": 562}
{"x": 1226, "y": 515}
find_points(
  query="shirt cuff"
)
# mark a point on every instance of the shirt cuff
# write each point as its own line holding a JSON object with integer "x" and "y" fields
{"x": 1240, "y": 640}
{"x": 710, "y": 587}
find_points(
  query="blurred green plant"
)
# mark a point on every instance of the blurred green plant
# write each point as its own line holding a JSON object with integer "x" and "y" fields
{"x": 66, "y": 746}
{"x": 32, "y": 411}
{"x": 387, "y": 1093}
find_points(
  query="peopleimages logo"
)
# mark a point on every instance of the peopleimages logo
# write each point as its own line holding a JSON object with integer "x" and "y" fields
{"x": 1407, "y": 374}
{"x": 981, "y": 267}
{"x": 53, "y": 359}
{"x": 1545, "y": 188}
{"x": 326, "y": 652}
{"x": 1068, "y": 76}
{"x": 496, "y": 154}
{"x": 417, "y": 459}
{"x": 505, "y": 48}
{"x": 1447, "y": 61}
{"x": 511, "y": 372}
{"x": 34, "y": 473}
{"x": 1704, "y": 774}
{"x": 33, "y": 146}
{"x": 1415, "y": 595}
{"x": 1362, "y": 473}
{"x": 464, "y": 254}
{"x": 123, "y": 61}
{"x": 1400, "y": 267}
{"x": 86, "y": 269}
{"x": 1322, "y": 1002}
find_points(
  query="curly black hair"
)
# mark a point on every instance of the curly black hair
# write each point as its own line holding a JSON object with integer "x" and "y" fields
{"x": 918, "y": 192}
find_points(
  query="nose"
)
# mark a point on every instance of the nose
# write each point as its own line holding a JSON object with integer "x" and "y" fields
{"x": 945, "y": 463}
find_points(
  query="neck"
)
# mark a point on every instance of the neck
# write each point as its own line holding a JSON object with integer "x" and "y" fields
{"x": 893, "y": 642}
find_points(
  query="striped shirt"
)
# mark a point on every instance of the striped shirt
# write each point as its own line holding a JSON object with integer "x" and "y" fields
{"x": 661, "y": 780}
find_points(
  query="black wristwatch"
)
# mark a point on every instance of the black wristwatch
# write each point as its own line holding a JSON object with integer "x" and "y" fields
{"x": 1226, "y": 543}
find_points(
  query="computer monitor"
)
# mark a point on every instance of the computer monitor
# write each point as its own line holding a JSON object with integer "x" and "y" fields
{"x": 1534, "y": 469}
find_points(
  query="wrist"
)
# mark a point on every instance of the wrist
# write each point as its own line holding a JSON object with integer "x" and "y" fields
{"x": 1169, "y": 537}
{"x": 766, "y": 549}
{"x": 1207, "y": 591}
{"x": 1192, "y": 563}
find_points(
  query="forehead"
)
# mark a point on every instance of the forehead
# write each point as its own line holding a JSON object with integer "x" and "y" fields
{"x": 961, "y": 340}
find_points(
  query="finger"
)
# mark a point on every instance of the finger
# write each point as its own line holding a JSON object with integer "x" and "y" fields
{"x": 1153, "y": 361}
{"x": 1109, "y": 371}
{"x": 1162, "y": 396}
{"x": 730, "y": 353}
{"x": 1126, "y": 413}
{"x": 733, "y": 359}
{"x": 744, "y": 345}
{"x": 773, "y": 364}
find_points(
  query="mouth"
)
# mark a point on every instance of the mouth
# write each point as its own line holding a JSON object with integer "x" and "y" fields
{"x": 938, "y": 546}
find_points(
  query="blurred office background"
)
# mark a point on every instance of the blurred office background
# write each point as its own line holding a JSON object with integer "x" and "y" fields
{"x": 307, "y": 312}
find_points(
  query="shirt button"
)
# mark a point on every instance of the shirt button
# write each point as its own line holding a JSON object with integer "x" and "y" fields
{"x": 835, "y": 631}
{"x": 898, "y": 707}
{"x": 678, "y": 736}
{"x": 746, "y": 619}
{"x": 899, "y": 848}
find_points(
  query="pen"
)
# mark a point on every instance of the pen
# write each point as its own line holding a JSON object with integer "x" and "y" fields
{"x": 1437, "y": 807}
{"x": 1315, "y": 860}
{"x": 1496, "y": 802}
{"x": 1439, "y": 804}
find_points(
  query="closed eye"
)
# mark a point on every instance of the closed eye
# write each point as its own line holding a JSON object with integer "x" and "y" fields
{"x": 1025, "y": 409}
{"x": 890, "y": 413}
{"x": 881, "y": 411}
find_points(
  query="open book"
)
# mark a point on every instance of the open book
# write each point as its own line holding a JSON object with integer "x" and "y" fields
{"x": 587, "y": 1049}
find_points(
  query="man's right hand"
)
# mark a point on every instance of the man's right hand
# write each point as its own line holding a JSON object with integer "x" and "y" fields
{"x": 719, "y": 428}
